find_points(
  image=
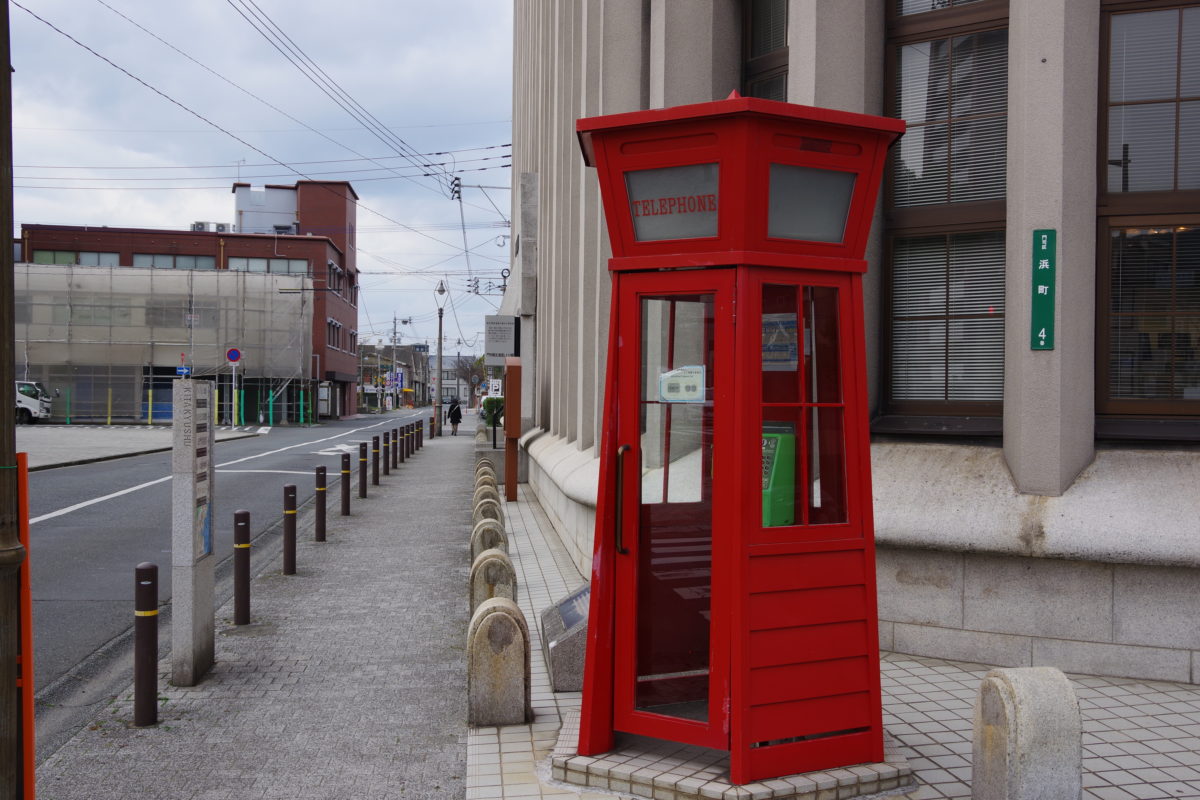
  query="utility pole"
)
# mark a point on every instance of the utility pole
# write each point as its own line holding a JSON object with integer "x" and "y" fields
{"x": 12, "y": 554}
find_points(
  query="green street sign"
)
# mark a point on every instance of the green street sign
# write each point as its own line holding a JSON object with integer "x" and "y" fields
{"x": 1041, "y": 309}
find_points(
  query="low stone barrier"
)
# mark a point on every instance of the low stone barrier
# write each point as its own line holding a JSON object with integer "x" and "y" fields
{"x": 487, "y": 509}
{"x": 492, "y": 575}
{"x": 488, "y": 535}
{"x": 499, "y": 689}
{"x": 485, "y": 491}
{"x": 1028, "y": 743}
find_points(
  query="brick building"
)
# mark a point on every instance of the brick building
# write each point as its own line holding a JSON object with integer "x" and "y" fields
{"x": 305, "y": 232}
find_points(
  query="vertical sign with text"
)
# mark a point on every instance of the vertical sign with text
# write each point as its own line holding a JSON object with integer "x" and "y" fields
{"x": 1041, "y": 309}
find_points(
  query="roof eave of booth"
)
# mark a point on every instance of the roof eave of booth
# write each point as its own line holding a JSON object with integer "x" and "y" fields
{"x": 754, "y": 106}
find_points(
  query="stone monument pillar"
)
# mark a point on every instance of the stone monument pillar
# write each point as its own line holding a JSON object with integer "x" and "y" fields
{"x": 192, "y": 560}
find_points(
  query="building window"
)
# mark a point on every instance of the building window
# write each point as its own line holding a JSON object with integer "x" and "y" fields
{"x": 1154, "y": 101}
{"x": 170, "y": 261}
{"x": 765, "y": 49}
{"x": 947, "y": 321}
{"x": 907, "y": 7}
{"x": 944, "y": 323}
{"x": 1148, "y": 283}
{"x": 83, "y": 259}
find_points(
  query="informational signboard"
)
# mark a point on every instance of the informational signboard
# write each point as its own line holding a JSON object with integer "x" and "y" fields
{"x": 780, "y": 349}
{"x": 682, "y": 385}
{"x": 495, "y": 387}
{"x": 501, "y": 338}
{"x": 1041, "y": 307}
{"x": 192, "y": 488}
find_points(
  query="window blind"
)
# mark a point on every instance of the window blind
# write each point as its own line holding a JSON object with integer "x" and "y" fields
{"x": 953, "y": 93}
{"x": 947, "y": 318}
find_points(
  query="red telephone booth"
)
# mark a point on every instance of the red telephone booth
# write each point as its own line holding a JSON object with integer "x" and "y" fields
{"x": 733, "y": 578}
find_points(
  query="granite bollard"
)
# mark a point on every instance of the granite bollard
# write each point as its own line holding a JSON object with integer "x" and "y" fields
{"x": 487, "y": 478}
{"x": 1028, "y": 743}
{"x": 487, "y": 509}
{"x": 492, "y": 575}
{"x": 488, "y": 535}
{"x": 485, "y": 491}
{"x": 499, "y": 690}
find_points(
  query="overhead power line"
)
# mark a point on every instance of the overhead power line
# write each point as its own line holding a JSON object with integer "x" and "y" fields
{"x": 295, "y": 55}
{"x": 204, "y": 119}
{"x": 231, "y": 83}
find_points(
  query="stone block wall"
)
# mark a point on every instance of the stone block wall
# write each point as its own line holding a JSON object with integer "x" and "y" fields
{"x": 1129, "y": 620}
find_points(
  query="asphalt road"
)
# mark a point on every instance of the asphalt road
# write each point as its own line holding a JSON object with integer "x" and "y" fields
{"x": 84, "y": 543}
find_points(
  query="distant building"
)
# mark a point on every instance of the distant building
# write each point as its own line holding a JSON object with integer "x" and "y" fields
{"x": 114, "y": 312}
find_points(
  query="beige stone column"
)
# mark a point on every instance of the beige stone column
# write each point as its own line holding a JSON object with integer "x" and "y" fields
{"x": 1049, "y": 400}
{"x": 836, "y": 60}
{"x": 695, "y": 51}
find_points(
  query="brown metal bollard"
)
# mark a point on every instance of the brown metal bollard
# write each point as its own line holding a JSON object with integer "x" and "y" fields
{"x": 319, "y": 522}
{"x": 432, "y": 429}
{"x": 241, "y": 568}
{"x": 387, "y": 453}
{"x": 145, "y": 645}
{"x": 420, "y": 431}
{"x": 345, "y": 484}
{"x": 402, "y": 450}
{"x": 395, "y": 447}
{"x": 289, "y": 529}
{"x": 374, "y": 460}
{"x": 362, "y": 469}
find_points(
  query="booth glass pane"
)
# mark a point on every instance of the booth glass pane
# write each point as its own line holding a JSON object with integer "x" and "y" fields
{"x": 826, "y": 466}
{"x": 803, "y": 466}
{"x": 780, "y": 344}
{"x": 803, "y": 442}
{"x": 674, "y": 536}
{"x": 674, "y": 202}
{"x": 808, "y": 203}
{"x": 821, "y": 345}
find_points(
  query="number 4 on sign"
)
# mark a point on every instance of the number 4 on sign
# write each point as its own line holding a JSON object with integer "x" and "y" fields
{"x": 1042, "y": 335}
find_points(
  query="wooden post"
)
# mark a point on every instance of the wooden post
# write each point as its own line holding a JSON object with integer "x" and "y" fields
{"x": 512, "y": 424}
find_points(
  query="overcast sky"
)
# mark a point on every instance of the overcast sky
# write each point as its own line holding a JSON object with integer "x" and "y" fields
{"x": 437, "y": 75}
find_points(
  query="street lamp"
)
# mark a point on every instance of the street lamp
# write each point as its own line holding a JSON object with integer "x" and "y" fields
{"x": 439, "y": 297}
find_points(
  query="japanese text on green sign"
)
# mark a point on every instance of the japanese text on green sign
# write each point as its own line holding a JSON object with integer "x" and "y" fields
{"x": 1041, "y": 314}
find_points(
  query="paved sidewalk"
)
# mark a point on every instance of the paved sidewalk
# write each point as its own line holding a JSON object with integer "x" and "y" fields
{"x": 64, "y": 445}
{"x": 350, "y": 683}
{"x": 1141, "y": 739}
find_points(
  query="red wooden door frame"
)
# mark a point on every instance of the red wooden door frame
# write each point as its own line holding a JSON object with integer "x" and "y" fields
{"x": 630, "y": 289}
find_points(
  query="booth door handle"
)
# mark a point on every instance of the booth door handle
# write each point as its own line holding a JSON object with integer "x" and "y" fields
{"x": 620, "y": 504}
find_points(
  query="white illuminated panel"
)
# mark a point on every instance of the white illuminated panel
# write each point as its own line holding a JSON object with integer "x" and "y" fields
{"x": 809, "y": 203}
{"x": 673, "y": 202}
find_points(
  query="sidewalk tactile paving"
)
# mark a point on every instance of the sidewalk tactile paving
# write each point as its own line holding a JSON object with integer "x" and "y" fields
{"x": 928, "y": 707}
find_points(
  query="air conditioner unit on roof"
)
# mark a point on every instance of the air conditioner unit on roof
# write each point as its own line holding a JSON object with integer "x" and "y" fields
{"x": 199, "y": 226}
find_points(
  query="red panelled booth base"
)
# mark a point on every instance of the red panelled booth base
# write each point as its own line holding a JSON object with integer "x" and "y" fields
{"x": 733, "y": 577}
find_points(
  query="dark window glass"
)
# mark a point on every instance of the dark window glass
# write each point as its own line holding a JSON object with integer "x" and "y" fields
{"x": 765, "y": 49}
{"x": 947, "y": 318}
{"x": 1153, "y": 115}
{"x": 953, "y": 93}
{"x": 1154, "y": 314}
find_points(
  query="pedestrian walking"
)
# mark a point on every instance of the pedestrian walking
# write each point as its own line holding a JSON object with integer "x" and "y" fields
{"x": 454, "y": 414}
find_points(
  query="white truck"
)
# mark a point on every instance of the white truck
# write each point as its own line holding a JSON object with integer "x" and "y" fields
{"x": 33, "y": 402}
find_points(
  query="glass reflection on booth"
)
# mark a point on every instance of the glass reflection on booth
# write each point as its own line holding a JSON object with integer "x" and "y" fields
{"x": 674, "y": 537}
{"x": 803, "y": 438}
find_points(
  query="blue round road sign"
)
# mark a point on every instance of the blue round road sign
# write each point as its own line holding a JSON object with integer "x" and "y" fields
{"x": 234, "y": 354}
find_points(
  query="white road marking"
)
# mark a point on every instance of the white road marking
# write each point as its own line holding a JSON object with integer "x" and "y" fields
{"x": 95, "y": 500}
{"x": 60, "y": 512}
